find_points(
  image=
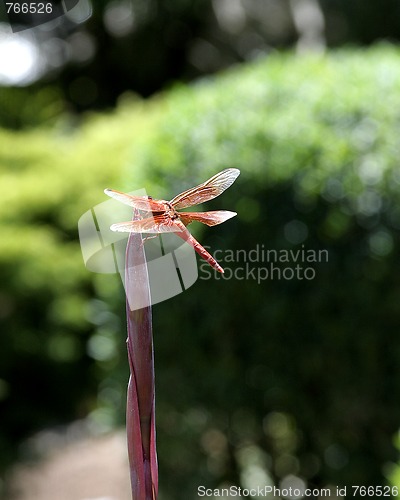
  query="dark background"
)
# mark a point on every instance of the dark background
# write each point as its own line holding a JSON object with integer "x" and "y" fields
{"x": 91, "y": 57}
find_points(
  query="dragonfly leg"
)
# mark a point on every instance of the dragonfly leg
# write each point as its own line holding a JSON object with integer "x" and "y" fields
{"x": 148, "y": 238}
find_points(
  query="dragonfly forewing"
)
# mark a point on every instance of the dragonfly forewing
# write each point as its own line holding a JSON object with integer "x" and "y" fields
{"x": 209, "y": 190}
{"x": 143, "y": 203}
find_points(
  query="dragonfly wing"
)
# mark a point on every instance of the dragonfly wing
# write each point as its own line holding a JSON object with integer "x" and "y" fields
{"x": 210, "y": 218}
{"x": 143, "y": 203}
{"x": 157, "y": 224}
{"x": 206, "y": 191}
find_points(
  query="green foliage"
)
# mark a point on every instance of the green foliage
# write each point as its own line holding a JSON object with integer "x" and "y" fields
{"x": 254, "y": 381}
{"x": 300, "y": 373}
{"x": 53, "y": 345}
{"x": 30, "y": 107}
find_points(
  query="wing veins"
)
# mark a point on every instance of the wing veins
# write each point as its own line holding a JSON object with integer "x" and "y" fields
{"x": 154, "y": 225}
{"x": 206, "y": 191}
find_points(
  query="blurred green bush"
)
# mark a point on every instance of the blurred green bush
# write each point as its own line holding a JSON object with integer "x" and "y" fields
{"x": 49, "y": 177}
{"x": 256, "y": 381}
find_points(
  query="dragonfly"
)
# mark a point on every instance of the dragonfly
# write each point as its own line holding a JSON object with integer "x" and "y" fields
{"x": 165, "y": 217}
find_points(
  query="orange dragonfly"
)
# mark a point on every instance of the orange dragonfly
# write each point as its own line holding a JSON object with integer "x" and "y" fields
{"x": 166, "y": 219}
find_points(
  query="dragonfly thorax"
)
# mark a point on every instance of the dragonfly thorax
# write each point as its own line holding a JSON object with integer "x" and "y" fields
{"x": 170, "y": 211}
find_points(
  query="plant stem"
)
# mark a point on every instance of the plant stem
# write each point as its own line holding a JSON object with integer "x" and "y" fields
{"x": 140, "y": 411}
